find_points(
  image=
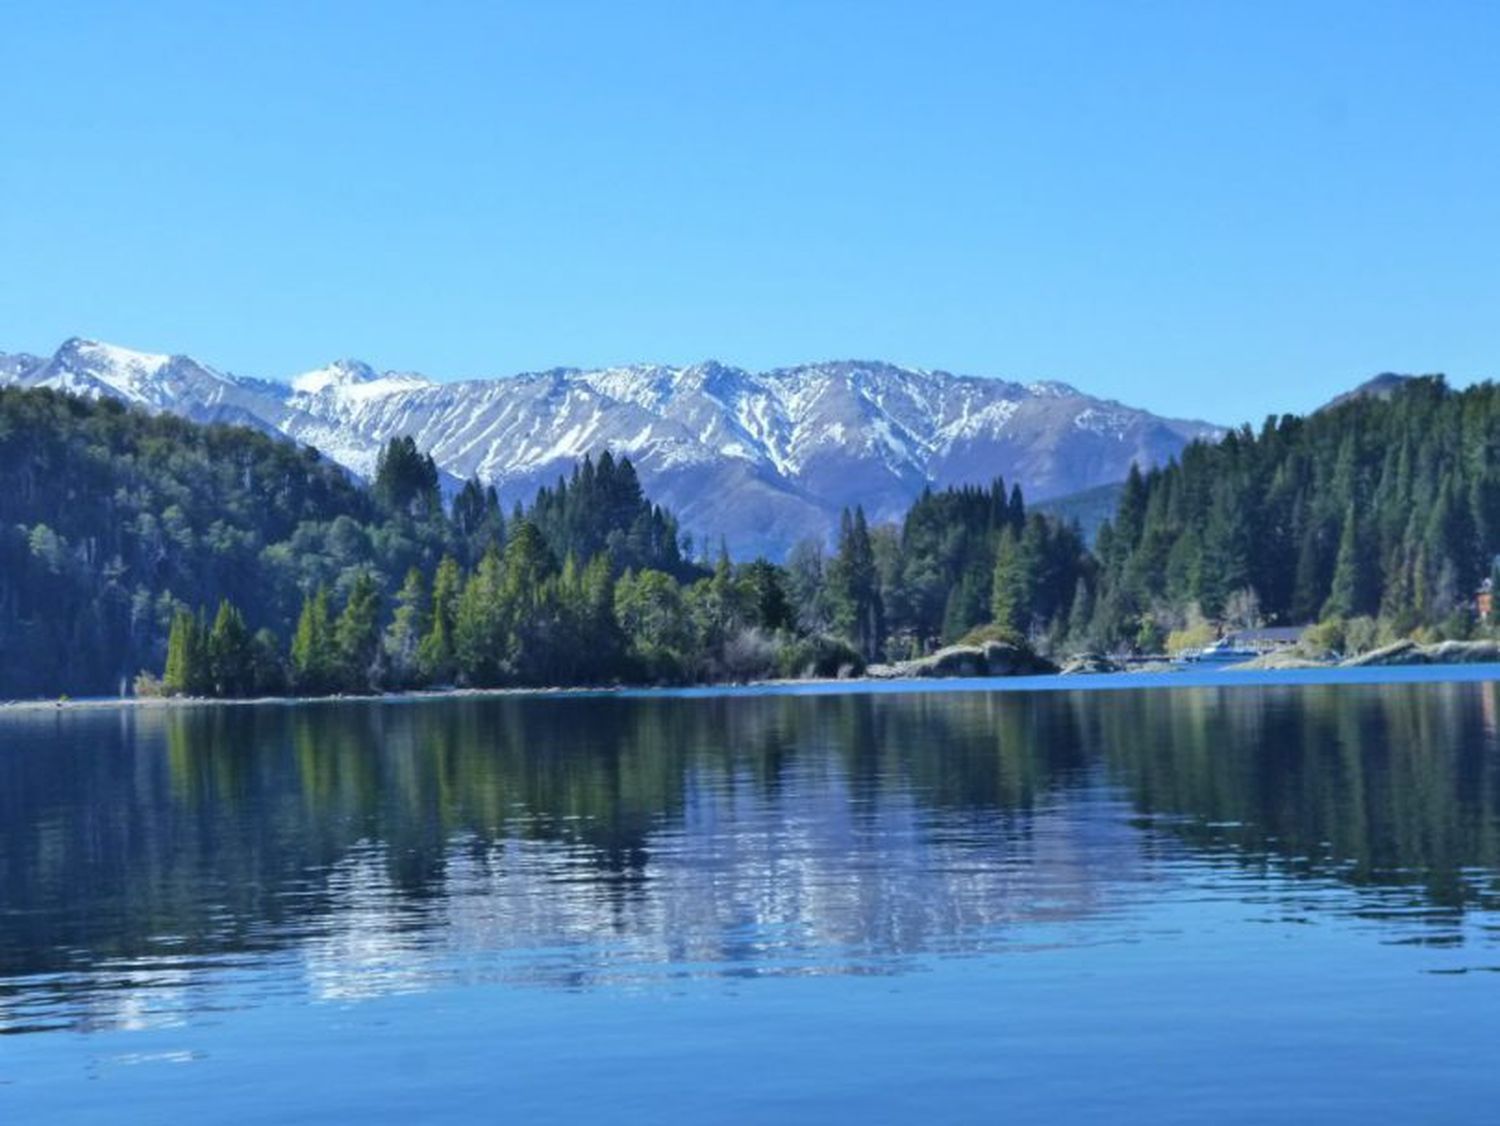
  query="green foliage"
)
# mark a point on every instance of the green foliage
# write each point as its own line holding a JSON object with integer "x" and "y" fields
{"x": 188, "y": 671}
{"x": 406, "y": 480}
{"x": 268, "y": 675}
{"x": 856, "y": 608}
{"x": 764, "y": 590}
{"x": 1010, "y": 594}
{"x": 437, "y": 656}
{"x": 1379, "y": 515}
{"x": 820, "y": 656}
{"x": 1194, "y": 636}
{"x": 653, "y": 614}
{"x": 1351, "y": 589}
{"x": 601, "y": 510}
{"x": 356, "y": 637}
{"x": 1323, "y": 638}
{"x": 231, "y": 657}
{"x": 110, "y": 518}
{"x": 315, "y": 655}
{"x": 479, "y": 625}
{"x": 477, "y": 518}
{"x": 1374, "y": 507}
{"x": 410, "y": 624}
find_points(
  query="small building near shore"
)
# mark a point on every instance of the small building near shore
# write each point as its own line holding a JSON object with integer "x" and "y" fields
{"x": 1268, "y": 639}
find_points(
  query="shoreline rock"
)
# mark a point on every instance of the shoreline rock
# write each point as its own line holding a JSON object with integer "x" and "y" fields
{"x": 1086, "y": 664}
{"x": 1439, "y": 653}
{"x": 993, "y": 658}
{"x": 1283, "y": 659}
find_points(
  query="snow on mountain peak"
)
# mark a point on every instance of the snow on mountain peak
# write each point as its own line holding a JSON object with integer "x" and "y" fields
{"x": 92, "y": 368}
{"x": 355, "y": 381}
{"x": 1051, "y": 388}
{"x": 762, "y": 457}
{"x": 98, "y": 354}
{"x": 340, "y": 373}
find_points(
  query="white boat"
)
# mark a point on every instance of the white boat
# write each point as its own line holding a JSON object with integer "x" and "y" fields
{"x": 1221, "y": 652}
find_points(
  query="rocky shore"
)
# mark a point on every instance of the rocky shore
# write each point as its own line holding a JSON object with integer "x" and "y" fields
{"x": 1396, "y": 654}
{"x": 993, "y": 658}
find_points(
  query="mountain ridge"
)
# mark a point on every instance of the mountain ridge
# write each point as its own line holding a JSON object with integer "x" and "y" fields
{"x": 762, "y": 459}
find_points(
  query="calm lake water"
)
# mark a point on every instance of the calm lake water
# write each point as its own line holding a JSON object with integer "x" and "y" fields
{"x": 1180, "y": 904}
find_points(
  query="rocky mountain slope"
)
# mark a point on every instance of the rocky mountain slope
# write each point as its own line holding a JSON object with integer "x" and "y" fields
{"x": 762, "y": 458}
{"x": 1382, "y": 386}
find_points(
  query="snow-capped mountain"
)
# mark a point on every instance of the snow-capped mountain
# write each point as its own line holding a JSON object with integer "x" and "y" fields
{"x": 762, "y": 458}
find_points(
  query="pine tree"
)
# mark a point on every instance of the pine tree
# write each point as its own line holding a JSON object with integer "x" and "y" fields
{"x": 654, "y": 619}
{"x": 853, "y": 586}
{"x": 314, "y": 655}
{"x": 966, "y": 606}
{"x": 229, "y": 653}
{"x": 766, "y": 594}
{"x": 357, "y": 637}
{"x": 411, "y": 623}
{"x": 1010, "y": 602}
{"x": 435, "y": 655}
{"x": 479, "y": 627}
{"x": 522, "y": 623}
{"x": 1308, "y": 582}
{"x": 187, "y": 671}
{"x": 1080, "y": 613}
{"x": 1351, "y": 589}
{"x": 406, "y": 480}
{"x": 267, "y": 673}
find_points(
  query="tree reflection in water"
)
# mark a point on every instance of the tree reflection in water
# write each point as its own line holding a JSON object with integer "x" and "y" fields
{"x": 568, "y": 840}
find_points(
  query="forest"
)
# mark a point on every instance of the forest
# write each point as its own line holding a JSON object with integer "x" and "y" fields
{"x": 143, "y": 553}
{"x": 1372, "y": 520}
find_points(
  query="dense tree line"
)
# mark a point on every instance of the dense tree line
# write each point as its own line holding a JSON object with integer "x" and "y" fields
{"x": 233, "y": 563}
{"x": 111, "y": 520}
{"x": 114, "y": 523}
{"x": 1379, "y": 516}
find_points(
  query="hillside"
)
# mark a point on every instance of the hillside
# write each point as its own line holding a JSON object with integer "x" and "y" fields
{"x": 762, "y": 459}
{"x": 1384, "y": 508}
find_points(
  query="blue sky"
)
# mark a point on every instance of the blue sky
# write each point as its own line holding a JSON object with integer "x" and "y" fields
{"x": 1209, "y": 209}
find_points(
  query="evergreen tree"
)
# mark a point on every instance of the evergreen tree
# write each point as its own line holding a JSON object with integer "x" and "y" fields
{"x": 967, "y": 604}
{"x": 230, "y": 656}
{"x": 436, "y": 654}
{"x": 1010, "y": 596}
{"x": 853, "y": 586}
{"x": 1350, "y": 592}
{"x": 524, "y": 618}
{"x": 1372, "y": 505}
{"x": 766, "y": 596}
{"x": 314, "y": 652}
{"x": 477, "y": 518}
{"x": 357, "y": 637}
{"x": 480, "y": 629}
{"x": 187, "y": 670}
{"x": 411, "y": 623}
{"x": 654, "y": 619}
{"x": 1080, "y": 613}
{"x": 406, "y": 480}
{"x": 267, "y": 673}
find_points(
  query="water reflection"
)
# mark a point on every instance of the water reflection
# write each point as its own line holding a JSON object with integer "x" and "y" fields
{"x": 347, "y": 850}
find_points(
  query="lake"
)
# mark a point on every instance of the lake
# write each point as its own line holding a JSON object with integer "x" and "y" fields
{"x": 1228, "y": 902}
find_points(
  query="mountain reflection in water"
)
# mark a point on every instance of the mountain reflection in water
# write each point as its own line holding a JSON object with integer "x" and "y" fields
{"x": 345, "y": 850}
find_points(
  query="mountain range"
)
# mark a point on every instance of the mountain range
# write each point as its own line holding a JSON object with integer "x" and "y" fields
{"x": 763, "y": 459}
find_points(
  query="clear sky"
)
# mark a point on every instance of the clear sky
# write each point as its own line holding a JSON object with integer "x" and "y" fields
{"x": 1210, "y": 208}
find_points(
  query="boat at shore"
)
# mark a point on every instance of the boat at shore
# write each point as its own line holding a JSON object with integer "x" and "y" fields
{"x": 1221, "y": 652}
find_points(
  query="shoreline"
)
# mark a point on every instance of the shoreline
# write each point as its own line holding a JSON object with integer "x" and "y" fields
{"x": 1187, "y": 677}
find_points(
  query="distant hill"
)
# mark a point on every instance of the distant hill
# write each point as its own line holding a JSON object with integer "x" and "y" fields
{"x": 1382, "y": 509}
{"x": 1382, "y": 386}
{"x": 1088, "y": 509}
{"x": 763, "y": 459}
